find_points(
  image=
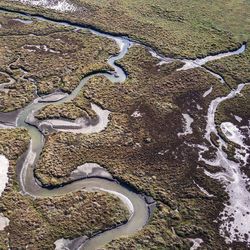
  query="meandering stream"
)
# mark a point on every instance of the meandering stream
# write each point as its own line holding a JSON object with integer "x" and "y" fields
{"x": 136, "y": 204}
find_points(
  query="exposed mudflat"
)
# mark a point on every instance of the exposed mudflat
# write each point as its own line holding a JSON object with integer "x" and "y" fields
{"x": 144, "y": 119}
{"x": 235, "y": 216}
{"x": 4, "y": 163}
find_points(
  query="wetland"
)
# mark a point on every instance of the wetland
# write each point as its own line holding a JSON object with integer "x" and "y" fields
{"x": 112, "y": 140}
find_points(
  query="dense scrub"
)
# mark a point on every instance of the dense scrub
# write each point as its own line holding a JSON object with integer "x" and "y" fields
{"x": 42, "y": 58}
{"x": 179, "y": 28}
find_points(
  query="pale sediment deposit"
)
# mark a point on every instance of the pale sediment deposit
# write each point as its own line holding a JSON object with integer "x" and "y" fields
{"x": 4, "y": 166}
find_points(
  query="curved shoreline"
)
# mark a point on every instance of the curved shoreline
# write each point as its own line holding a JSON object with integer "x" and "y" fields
{"x": 20, "y": 11}
{"x": 136, "y": 204}
{"x": 125, "y": 36}
{"x": 117, "y": 76}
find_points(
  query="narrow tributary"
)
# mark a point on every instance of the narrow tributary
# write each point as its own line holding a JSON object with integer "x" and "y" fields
{"x": 136, "y": 203}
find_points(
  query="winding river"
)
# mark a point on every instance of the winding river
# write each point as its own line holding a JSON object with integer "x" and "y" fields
{"x": 136, "y": 203}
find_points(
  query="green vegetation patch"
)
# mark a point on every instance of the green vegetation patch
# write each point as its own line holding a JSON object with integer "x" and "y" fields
{"x": 44, "y": 57}
{"x": 141, "y": 147}
{"x": 234, "y": 69}
{"x": 177, "y": 28}
{"x": 36, "y": 223}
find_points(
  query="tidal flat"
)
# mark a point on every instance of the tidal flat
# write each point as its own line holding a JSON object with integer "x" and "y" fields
{"x": 160, "y": 120}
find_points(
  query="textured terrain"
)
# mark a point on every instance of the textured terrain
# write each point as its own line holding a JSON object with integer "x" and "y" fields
{"x": 155, "y": 141}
